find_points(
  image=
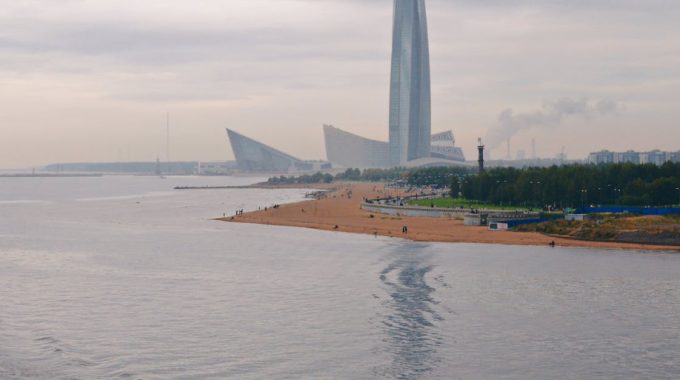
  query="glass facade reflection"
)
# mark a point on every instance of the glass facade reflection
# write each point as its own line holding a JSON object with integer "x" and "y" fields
{"x": 410, "y": 108}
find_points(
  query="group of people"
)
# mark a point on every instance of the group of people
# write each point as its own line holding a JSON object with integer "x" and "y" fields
{"x": 267, "y": 208}
{"x": 241, "y": 212}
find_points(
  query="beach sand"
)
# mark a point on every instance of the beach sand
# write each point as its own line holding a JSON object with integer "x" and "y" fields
{"x": 338, "y": 212}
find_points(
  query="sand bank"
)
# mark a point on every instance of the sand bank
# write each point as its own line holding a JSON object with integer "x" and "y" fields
{"x": 342, "y": 213}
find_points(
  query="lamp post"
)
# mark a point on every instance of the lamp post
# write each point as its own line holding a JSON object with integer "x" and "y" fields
{"x": 461, "y": 180}
{"x": 584, "y": 197}
{"x": 533, "y": 188}
{"x": 617, "y": 195}
{"x": 500, "y": 189}
{"x": 678, "y": 189}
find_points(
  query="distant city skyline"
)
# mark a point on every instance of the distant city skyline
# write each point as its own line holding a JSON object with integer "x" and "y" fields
{"x": 92, "y": 81}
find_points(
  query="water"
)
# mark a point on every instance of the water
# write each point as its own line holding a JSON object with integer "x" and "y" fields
{"x": 122, "y": 277}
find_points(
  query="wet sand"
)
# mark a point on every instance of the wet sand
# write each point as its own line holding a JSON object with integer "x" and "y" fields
{"x": 338, "y": 212}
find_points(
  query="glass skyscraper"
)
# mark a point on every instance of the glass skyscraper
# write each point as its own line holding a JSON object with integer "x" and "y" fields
{"x": 410, "y": 109}
{"x": 411, "y": 143}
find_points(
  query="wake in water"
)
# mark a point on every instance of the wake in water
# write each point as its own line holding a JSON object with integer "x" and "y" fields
{"x": 412, "y": 336}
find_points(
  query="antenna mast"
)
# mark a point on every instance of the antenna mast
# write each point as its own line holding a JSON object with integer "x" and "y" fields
{"x": 167, "y": 136}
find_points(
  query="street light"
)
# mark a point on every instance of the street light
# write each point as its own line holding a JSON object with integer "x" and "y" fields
{"x": 678, "y": 189}
{"x": 617, "y": 192}
{"x": 534, "y": 190}
{"x": 461, "y": 180}
{"x": 584, "y": 197}
{"x": 500, "y": 189}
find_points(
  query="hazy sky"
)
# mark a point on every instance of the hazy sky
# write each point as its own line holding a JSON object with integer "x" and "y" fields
{"x": 91, "y": 80}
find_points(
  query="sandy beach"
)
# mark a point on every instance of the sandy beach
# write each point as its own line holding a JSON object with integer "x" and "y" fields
{"x": 342, "y": 213}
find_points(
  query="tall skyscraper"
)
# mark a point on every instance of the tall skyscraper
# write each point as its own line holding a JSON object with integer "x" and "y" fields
{"x": 410, "y": 108}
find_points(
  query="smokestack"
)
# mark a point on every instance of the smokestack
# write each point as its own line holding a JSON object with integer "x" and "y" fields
{"x": 480, "y": 147}
{"x": 509, "y": 155}
{"x": 533, "y": 149}
{"x": 551, "y": 114}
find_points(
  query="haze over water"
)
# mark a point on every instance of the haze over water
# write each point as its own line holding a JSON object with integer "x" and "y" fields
{"x": 122, "y": 277}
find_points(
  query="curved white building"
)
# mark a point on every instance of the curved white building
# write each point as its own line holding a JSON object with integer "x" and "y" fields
{"x": 352, "y": 151}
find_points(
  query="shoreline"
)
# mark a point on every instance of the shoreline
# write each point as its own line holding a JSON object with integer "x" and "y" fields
{"x": 340, "y": 211}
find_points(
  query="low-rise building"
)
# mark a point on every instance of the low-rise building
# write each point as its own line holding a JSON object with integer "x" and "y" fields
{"x": 627, "y": 157}
{"x": 216, "y": 168}
{"x": 601, "y": 157}
{"x": 673, "y": 156}
{"x": 656, "y": 157}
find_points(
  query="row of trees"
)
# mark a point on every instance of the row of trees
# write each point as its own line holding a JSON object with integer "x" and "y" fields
{"x": 439, "y": 177}
{"x": 436, "y": 177}
{"x": 558, "y": 186}
{"x": 574, "y": 185}
{"x": 307, "y": 178}
{"x": 373, "y": 175}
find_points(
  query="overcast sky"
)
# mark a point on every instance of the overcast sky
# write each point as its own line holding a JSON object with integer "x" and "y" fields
{"x": 92, "y": 80}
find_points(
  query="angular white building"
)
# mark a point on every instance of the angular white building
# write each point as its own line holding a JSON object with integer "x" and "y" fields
{"x": 443, "y": 146}
{"x": 410, "y": 96}
{"x": 254, "y": 156}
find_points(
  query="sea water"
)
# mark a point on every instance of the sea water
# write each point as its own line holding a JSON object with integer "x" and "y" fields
{"x": 125, "y": 278}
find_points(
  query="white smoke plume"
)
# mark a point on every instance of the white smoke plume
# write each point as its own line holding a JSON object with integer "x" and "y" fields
{"x": 550, "y": 115}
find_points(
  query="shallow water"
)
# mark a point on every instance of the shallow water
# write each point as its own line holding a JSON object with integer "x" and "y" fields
{"x": 122, "y": 277}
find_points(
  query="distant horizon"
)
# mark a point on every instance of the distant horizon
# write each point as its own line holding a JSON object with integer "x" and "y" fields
{"x": 491, "y": 159}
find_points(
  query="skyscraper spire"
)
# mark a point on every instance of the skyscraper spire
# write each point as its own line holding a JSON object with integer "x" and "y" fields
{"x": 410, "y": 98}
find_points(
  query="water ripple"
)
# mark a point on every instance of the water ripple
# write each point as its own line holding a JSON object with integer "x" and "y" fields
{"x": 409, "y": 319}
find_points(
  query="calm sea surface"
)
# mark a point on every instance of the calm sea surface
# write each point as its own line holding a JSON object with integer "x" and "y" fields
{"x": 124, "y": 278}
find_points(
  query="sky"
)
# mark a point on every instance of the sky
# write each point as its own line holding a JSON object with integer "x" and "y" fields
{"x": 92, "y": 80}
